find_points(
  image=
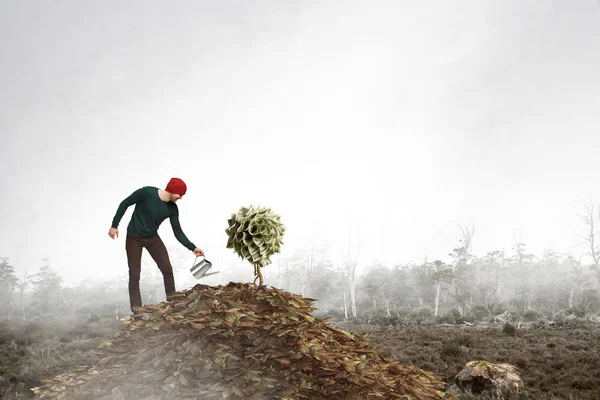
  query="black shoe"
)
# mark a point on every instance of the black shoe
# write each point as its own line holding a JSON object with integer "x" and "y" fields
{"x": 137, "y": 317}
{"x": 137, "y": 313}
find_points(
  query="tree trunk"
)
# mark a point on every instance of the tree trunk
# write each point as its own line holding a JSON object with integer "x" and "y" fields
{"x": 10, "y": 306}
{"x": 437, "y": 300}
{"x": 23, "y": 304}
{"x": 387, "y": 307}
{"x": 353, "y": 299}
{"x": 571, "y": 299}
{"x": 345, "y": 305}
{"x": 350, "y": 263}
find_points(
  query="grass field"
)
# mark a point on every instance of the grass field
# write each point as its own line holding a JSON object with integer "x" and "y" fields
{"x": 30, "y": 351}
{"x": 561, "y": 362}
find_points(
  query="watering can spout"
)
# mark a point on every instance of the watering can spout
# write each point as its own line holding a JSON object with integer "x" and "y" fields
{"x": 200, "y": 270}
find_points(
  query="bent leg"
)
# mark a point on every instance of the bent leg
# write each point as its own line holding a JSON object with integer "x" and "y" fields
{"x": 158, "y": 251}
{"x": 134, "y": 249}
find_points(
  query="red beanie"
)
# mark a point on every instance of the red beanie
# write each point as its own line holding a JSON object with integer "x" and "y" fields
{"x": 176, "y": 186}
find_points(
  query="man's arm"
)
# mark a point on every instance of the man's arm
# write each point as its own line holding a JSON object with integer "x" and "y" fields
{"x": 135, "y": 197}
{"x": 174, "y": 218}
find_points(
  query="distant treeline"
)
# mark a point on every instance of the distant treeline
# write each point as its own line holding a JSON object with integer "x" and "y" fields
{"x": 465, "y": 286}
{"x": 472, "y": 287}
{"x": 469, "y": 286}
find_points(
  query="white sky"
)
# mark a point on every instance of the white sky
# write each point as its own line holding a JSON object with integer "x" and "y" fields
{"x": 400, "y": 119}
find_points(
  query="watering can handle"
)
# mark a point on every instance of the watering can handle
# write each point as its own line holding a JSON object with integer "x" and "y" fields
{"x": 196, "y": 259}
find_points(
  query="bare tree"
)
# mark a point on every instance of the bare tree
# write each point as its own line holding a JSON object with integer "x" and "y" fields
{"x": 380, "y": 285}
{"x": 314, "y": 258}
{"x": 578, "y": 280}
{"x": 69, "y": 300}
{"x": 23, "y": 285}
{"x": 8, "y": 283}
{"x": 589, "y": 214}
{"x": 47, "y": 284}
{"x": 523, "y": 263}
{"x": 350, "y": 263}
{"x": 489, "y": 283}
{"x": 442, "y": 273}
{"x": 463, "y": 251}
{"x": 462, "y": 255}
{"x": 288, "y": 268}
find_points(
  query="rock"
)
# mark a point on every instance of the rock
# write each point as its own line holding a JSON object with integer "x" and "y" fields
{"x": 479, "y": 376}
{"x": 509, "y": 329}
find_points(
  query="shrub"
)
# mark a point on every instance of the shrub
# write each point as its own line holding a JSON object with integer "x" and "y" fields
{"x": 468, "y": 318}
{"x": 531, "y": 315}
{"x": 583, "y": 383}
{"x": 561, "y": 315}
{"x": 461, "y": 340}
{"x": 455, "y": 347}
{"x": 403, "y": 312}
{"x": 93, "y": 318}
{"x": 446, "y": 318}
{"x": 480, "y": 311}
{"x": 379, "y": 316}
{"x": 592, "y": 300}
{"x": 513, "y": 312}
{"x": 454, "y": 312}
{"x": 421, "y": 314}
{"x": 450, "y": 350}
{"x": 578, "y": 311}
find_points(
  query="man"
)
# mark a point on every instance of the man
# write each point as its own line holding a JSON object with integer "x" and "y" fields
{"x": 152, "y": 207}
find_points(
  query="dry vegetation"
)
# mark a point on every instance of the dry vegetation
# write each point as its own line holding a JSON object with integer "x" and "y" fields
{"x": 30, "y": 351}
{"x": 559, "y": 362}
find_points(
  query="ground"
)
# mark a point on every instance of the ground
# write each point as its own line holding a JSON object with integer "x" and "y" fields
{"x": 561, "y": 362}
{"x": 30, "y": 351}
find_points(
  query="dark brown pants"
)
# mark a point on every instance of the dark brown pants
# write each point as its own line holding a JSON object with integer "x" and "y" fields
{"x": 158, "y": 252}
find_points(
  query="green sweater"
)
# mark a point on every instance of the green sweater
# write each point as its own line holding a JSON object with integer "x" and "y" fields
{"x": 150, "y": 211}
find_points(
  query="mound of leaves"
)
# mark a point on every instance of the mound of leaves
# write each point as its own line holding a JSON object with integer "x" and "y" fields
{"x": 239, "y": 341}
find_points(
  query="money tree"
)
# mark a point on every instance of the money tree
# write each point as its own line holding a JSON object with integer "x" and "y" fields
{"x": 255, "y": 234}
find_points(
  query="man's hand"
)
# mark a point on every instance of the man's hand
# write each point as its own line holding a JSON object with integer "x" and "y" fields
{"x": 113, "y": 232}
{"x": 198, "y": 252}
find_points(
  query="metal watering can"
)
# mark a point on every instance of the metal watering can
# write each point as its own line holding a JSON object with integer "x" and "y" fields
{"x": 200, "y": 269}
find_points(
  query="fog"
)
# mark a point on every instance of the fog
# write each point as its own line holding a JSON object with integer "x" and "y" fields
{"x": 392, "y": 122}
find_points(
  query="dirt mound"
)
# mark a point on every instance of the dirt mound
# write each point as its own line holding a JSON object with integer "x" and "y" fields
{"x": 240, "y": 341}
